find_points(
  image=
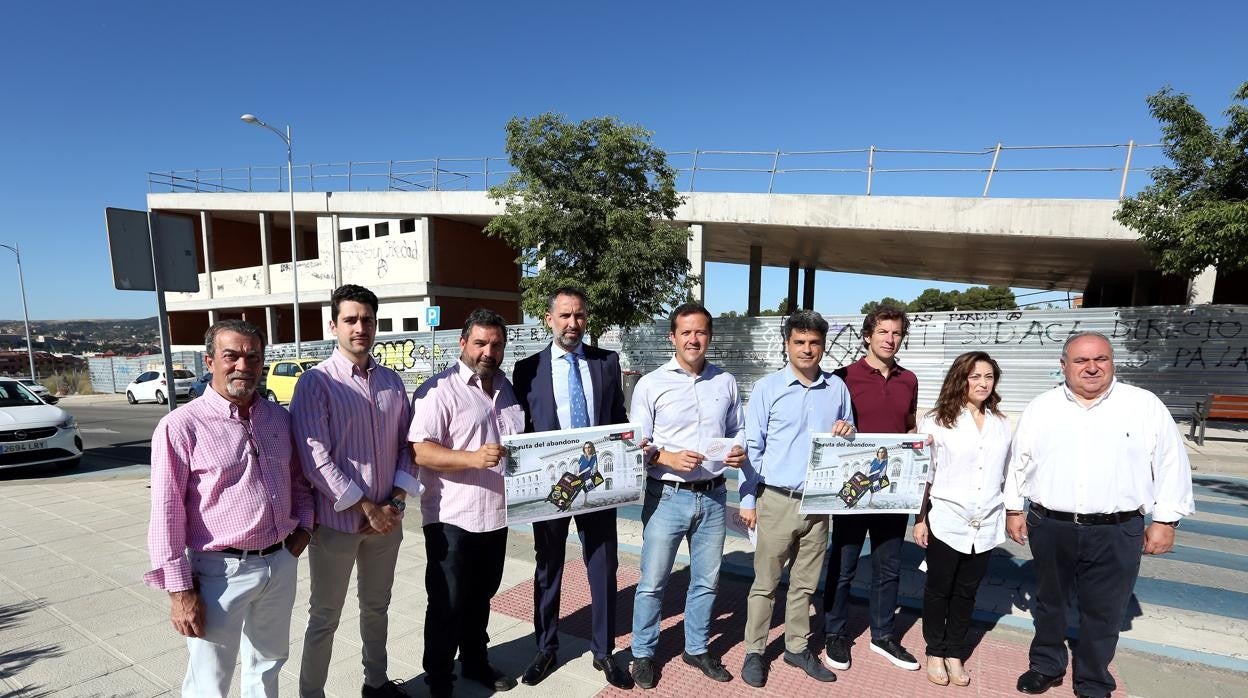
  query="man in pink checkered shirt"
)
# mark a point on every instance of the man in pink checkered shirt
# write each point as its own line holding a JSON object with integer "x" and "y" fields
{"x": 350, "y": 418}
{"x": 231, "y": 512}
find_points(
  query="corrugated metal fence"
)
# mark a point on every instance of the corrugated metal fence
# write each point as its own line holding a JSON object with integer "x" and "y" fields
{"x": 1180, "y": 353}
{"x": 113, "y": 374}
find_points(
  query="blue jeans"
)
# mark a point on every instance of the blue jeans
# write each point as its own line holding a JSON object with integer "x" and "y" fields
{"x": 668, "y": 516}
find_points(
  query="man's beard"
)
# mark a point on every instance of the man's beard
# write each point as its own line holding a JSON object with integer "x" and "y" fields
{"x": 484, "y": 367}
{"x": 242, "y": 391}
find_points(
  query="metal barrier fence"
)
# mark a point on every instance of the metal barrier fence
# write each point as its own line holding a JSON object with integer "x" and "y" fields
{"x": 113, "y": 374}
{"x": 1180, "y": 353}
{"x": 834, "y": 171}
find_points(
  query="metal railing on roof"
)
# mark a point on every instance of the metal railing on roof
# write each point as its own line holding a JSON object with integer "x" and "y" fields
{"x": 730, "y": 170}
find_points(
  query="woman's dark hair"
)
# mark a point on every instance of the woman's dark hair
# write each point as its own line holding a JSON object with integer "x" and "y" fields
{"x": 953, "y": 393}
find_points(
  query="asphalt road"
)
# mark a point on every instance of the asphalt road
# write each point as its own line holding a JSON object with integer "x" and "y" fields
{"x": 117, "y": 436}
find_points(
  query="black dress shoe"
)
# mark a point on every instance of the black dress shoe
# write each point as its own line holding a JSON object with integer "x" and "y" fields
{"x": 1035, "y": 683}
{"x": 489, "y": 677}
{"x": 644, "y": 673}
{"x": 615, "y": 675}
{"x": 709, "y": 664}
{"x": 543, "y": 665}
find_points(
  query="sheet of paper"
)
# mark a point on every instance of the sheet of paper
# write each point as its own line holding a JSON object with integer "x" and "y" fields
{"x": 717, "y": 449}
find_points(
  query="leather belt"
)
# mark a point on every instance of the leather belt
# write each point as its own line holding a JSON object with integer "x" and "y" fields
{"x": 253, "y": 553}
{"x": 791, "y": 494}
{"x": 695, "y": 486}
{"x": 1086, "y": 519}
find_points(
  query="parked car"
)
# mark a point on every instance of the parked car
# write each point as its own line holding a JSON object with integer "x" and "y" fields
{"x": 151, "y": 385}
{"x": 35, "y": 387}
{"x": 280, "y": 377}
{"x": 33, "y": 432}
{"x": 200, "y": 385}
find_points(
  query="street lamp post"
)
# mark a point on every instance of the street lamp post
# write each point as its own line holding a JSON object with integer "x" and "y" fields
{"x": 30, "y": 348}
{"x": 294, "y": 255}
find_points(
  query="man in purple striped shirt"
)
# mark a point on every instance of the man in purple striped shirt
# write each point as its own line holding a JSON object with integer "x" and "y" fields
{"x": 350, "y": 419}
{"x": 458, "y": 420}
{"x": 226, "y": 490}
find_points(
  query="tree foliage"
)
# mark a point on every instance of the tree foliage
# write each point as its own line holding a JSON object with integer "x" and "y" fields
{"x": 1195, "y": 212}
{"x": 870, "y": 306}
{"x": 588, "y": 206}
{"x": 933, "y": 300}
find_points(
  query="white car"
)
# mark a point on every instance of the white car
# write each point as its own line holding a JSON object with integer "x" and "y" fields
{"x": 34, "y": 433}
{"x": 151, "y": 385}
{"x": 35, "y": 387}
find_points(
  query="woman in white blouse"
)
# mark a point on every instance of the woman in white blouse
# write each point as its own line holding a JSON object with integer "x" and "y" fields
{"x": 962, "y": 517}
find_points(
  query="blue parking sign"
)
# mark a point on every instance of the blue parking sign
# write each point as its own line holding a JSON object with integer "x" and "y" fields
{"x": 433, "y": 316}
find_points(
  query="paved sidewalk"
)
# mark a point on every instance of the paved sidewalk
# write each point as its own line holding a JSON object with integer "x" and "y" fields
{"x": 75, "y": 619}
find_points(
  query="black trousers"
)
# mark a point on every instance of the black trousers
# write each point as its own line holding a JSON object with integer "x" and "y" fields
{"x": 462, "y": 573}
{"x": 1099, "y": 565}
{"x": 599, "y": 548}
{"x": 949, "y": 597}
{"x": 888, "y": 532}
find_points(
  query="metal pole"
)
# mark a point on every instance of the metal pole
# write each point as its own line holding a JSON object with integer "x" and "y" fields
{"x": 693, "y": 173}
{"x": 774, "y": 164}
{"x": 294, "y": 250}
{"x": 992, "y": 169}
{"x": 21, "y": 280}
{"x": 1122, "y": 190}
{"x": 162, "y": 318}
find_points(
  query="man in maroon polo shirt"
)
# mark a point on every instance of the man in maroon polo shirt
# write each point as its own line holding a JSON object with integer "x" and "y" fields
{"x": 885, "y": 398}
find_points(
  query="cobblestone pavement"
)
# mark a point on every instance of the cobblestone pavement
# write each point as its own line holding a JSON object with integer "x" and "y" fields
{"x": 75, "y": 619}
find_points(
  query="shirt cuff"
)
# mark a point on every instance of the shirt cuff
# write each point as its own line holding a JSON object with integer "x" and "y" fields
{"x": 1166, "y": 513}
{"x": 404, "y": 481}
{"x": 1013, "y": 503}
{"x": 174, "y": 576}
{"x": 349, "y": 498}
{"x": 747, "y": 501}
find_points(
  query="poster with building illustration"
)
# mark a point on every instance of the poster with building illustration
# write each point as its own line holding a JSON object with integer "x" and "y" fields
{"x": 866, "y": 474}
{"x": 553, "y": 474}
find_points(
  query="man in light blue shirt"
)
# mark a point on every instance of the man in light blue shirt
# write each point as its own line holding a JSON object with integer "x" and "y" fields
{"x": 785, "y": 409}
{"x": 688, "y": 409}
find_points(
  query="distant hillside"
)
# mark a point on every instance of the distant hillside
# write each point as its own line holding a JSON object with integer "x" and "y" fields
{"x": 124, "y": 336}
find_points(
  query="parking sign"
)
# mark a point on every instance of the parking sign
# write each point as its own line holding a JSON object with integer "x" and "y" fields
{"x": 433, "y": 316}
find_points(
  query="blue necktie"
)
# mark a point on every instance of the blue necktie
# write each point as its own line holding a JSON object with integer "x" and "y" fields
{"x": 576, "y": 393}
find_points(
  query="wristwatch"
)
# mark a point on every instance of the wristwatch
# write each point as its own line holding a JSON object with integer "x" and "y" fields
{"x": 1171, "y": 524}
{"x": 398, "y": 504}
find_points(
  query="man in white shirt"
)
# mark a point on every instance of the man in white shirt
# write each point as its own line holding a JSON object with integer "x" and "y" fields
{"x": 686, "y": 408}
{"x": 1093, "y": 456}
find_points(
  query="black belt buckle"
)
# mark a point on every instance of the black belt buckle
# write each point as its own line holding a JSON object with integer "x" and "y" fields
{"x": 791, "y": 494}
{"x": 255, "y": 553}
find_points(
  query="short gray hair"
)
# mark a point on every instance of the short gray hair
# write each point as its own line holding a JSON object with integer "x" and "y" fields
{"x": 1086, "y": 333}
{"x": 240, "y": 326}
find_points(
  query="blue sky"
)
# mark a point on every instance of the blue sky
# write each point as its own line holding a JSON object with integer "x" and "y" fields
{"x": 97, "y": 94}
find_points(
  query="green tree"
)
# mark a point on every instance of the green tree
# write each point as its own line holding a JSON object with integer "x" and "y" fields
{"x": 984, "y": 298}
{"x": 1195, "y": 213}
{"x": 587, "y": 206}
{"x": 930, "y": 300}
{"x": 870, "y": 306}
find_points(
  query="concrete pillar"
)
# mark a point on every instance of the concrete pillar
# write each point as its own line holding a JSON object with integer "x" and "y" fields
{"x": 210, "y": 260}
{"x": 266, "y": 254}
{"x": 697, "y": 262}
{"x": 270, "y": 322}
{"x": 212, "y": 317}
{"x": 808, "y": 288}
{"x": 336, "y": 251}
{"x": 425, "y": 232}
{"x": 756, "y": 279}
{"x": 1201, "y": 288}
{"x": 794, "y": 266}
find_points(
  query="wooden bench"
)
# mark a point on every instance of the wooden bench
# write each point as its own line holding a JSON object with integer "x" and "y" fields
{"x": 1218, "y": 407}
